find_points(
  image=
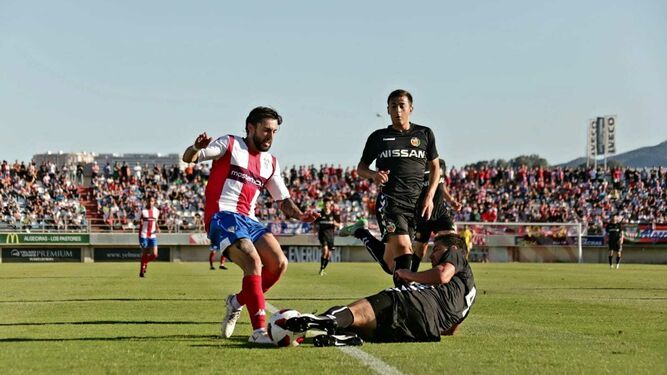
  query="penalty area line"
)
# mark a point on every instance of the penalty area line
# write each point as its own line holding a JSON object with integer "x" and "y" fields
{"x": 375, "y": 364}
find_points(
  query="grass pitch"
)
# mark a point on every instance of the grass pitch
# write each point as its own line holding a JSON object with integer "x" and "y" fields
{"x": 528, "y": 318}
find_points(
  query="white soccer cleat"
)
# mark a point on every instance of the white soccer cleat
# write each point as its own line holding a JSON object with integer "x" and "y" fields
{"x": 618, "y": 265}
{"x": 259, "y": 336}
{"x": 232, "y": 315}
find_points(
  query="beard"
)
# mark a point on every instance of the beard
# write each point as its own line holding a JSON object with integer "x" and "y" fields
{"x": 259, "y": 144}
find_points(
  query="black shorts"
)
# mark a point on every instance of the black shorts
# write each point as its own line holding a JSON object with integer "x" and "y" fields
{"x": 326, "y": 238}
{"x": 615, "y": 246}
{"x": 394, "y": 218}
{"x": 426, "y": 228}
{"x": 405, "y": 315}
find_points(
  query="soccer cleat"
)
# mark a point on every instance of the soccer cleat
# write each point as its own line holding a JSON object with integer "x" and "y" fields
{"x": 618, "y": 265}
{"x": 212, "y": 268}
{"x": 337, "y": 340}
{"x": 223, "y": 267}
{"x": 322, "y": 273}
{"x": 259, "y": 336}
{"x": 350, "y": 229}
{"x": 231, "y": 316}
{"x": 309, "y": 321}
{"x": 141, "y": 273}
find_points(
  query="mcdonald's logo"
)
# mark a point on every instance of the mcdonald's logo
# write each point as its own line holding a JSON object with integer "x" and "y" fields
{"x": 13, "y": 238}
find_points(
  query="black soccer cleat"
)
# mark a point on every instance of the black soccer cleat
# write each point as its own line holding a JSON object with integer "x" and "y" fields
{"x": 337, "y": 340}
{"x": 223, "y": 267}
{"x": 305, "y": 322}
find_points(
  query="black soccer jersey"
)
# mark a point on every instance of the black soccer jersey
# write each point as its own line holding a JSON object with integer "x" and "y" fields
{"x": 439, "y": 208}
{"x": 455, "y": 297}
{"x": 404, "y": 155}
{"x": 614, "y": 232}
{"x": 327, "y": 222}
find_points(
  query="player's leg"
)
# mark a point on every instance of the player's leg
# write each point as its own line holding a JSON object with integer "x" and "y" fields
{"x": 618, "y": 257}
{"x": 151, "y": 253}
{"x": 273, "y": 260}
{"x": 611, "y": 257}
{"x": 246, "y": 256}
{"x": 144, "y": 256}
{"x": 222, "y": 262}
{"x": 324, "y": 259}
{"x": 398, "y": 254}
{"x": 419, "y": 252}
{"x": 211, "y": 257}
{"x": 374, "y": 246}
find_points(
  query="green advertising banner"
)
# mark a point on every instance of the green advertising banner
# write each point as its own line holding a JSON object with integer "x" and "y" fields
{"x": 43, "y": 238}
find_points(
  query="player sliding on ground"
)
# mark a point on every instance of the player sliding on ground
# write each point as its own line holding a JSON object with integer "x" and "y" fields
{"x": 241, "y": 168}
{"x": 435, "y": 304}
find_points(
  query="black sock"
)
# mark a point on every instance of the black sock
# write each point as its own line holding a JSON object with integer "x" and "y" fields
{"x": 402, "y": 262}
{"x": 326, "y": 262}
{"x": 342, "y": 315}
{"x": 618, "y": 259}
{"x": 415, "y": 263}
{"x": 374, "y": 246}
{"x": 322, "y": 263}
{"x": 610, "y": 258}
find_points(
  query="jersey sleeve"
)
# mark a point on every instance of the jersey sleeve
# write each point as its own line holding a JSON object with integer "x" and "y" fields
{"x": 370, "y": 150}
{"x": 214, "y": 150}
{"x": 431, "y": 149}
{"x": 276, "y": 185}
{"x": 455, "y": 258}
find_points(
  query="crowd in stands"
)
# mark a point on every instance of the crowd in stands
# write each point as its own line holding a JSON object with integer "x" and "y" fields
{"x": 120, "y": 192}
{"x": 40, "y": 197}
{"x": 47, "y": 196}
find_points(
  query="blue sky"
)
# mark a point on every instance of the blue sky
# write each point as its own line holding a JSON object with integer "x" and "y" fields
{"x": 492, "y": 79}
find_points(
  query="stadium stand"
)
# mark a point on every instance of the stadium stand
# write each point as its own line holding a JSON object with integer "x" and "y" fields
{"x": 52, "y": 198}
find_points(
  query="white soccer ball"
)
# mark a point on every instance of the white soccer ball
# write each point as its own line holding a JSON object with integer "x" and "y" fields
{"x": 279, "y": 334}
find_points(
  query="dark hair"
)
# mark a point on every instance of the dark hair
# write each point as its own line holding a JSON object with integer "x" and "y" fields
{"x": 260, "y": 113}
{"x": 443, "y": 166}
{"x": 451, "y": 239}
{"x": 398, "y": 93}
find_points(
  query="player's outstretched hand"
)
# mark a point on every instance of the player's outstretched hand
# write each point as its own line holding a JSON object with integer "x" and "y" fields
{"x": 309, "y": 216}
{"x": 202, "y": 140}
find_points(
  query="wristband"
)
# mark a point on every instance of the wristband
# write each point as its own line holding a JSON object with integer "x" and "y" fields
{"x": 195, "y": 148}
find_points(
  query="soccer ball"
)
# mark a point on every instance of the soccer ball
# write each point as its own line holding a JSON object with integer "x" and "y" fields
{"x": 279, "y": 334}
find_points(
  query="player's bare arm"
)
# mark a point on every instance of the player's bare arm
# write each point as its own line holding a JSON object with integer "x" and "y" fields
{"x": 380, "y": 177}
{"x": 456, "y": 205}
{"x": 292, "y": 211}
{"x": 440, "y": 274}
{"x": 202, "y": 141}
{"x": 433, "y": 179}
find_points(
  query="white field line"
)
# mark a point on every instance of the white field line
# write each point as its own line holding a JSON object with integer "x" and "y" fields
{"x": 366, "y": 359}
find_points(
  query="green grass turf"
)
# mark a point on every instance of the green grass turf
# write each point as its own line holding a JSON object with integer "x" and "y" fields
{"x": 528, "y": 318}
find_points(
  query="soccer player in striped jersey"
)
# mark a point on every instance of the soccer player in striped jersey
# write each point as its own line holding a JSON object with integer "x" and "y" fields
{"x": 148, "y": 230}
{"x": 241, "y": 168}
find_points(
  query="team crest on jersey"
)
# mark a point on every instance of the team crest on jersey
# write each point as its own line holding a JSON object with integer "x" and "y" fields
{"x": 231, "y": 229}
{"x": 391, "y": 227}
{"x": 415, "y": 141}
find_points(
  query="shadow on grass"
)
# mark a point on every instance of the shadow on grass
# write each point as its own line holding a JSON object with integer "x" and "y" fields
{"x": 234, "y": 342}
{"x": 103, "y": 322}
{"x": 113, "y": 300}
{"x": 137, "y": 299}
{"x": 116, "y": 338}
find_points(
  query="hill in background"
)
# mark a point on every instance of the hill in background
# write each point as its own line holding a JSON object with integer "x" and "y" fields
{"x": 652, "y": 156}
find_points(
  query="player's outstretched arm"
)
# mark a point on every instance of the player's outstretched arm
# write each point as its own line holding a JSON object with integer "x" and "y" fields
{"x": 190, "y": 153}
{"x": 292, "y": 211}
{"x": 440, "y": 274}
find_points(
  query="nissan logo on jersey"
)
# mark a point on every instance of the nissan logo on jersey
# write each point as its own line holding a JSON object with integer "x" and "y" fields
{"x": 404, "y": 153}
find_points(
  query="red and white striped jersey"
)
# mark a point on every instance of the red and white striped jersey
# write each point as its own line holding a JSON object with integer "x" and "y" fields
{"x": 237, "y": 177}
{"x": 148, "y": 223}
